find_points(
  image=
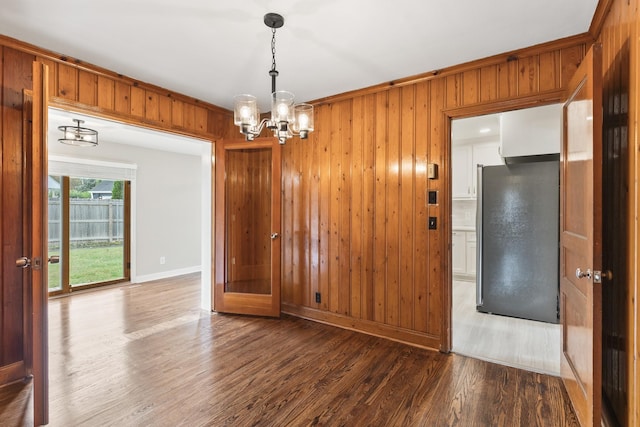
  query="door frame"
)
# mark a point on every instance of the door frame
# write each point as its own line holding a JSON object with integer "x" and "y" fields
{"x": 553, "y": 97}
{"x": 236, "y": 302}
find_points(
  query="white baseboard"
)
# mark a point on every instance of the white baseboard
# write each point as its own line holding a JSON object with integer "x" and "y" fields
{"x": 166, "y": 274}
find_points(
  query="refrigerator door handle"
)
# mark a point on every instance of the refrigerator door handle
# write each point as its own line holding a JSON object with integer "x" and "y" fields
{"x": 479, "y": 299}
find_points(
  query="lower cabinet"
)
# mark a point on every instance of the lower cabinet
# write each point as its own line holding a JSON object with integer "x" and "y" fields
{"x": 463, "y": 254}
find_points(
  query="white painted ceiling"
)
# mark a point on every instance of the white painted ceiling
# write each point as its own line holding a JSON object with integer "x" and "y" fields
{"x": 215, "y": 49}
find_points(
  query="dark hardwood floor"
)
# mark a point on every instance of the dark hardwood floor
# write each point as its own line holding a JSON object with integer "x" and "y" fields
{"x": 146, "y": 355}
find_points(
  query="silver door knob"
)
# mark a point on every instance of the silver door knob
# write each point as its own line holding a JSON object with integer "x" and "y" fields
{"x": 274, "y": 236}
{"x": 23, "y": 262}
{"x": 582, "y": 274}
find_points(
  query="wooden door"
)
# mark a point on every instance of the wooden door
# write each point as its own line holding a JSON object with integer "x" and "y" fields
{"x": 581, "y": 239}
{"x": 247, "y": 227}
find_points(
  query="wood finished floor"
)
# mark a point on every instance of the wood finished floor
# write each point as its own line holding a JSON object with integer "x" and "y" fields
{"x": 520, "y": 343}
{"x": 145, "y": 355}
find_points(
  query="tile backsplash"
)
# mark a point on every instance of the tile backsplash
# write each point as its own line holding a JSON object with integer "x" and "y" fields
{"x": 463, "y": 213}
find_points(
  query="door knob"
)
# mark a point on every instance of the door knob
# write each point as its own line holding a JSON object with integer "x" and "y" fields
{"x": 23, "y": 262}
{"x": 54, "y": 259}
{"x": 582, "y": 274}
{"x": 274, "y": 236}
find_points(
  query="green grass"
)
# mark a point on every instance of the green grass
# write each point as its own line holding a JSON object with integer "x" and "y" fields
{"x": 90, "y": 265}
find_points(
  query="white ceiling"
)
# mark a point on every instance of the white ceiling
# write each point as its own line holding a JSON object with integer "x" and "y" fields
{"x": 215, "y": 49}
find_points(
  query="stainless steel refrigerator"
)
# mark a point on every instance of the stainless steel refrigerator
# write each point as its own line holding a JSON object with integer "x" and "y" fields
{"x": 517, "y": 240}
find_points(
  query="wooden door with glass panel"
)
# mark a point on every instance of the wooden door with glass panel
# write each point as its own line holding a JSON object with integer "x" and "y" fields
{"x": 247, "y": 212}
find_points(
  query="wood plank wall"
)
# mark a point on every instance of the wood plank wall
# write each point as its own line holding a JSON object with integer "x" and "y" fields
{"x": 355, "y": 207}
{"x": 618, "y": 32}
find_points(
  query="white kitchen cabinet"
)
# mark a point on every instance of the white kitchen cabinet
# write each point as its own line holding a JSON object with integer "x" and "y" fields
{"x": 458, "y": 252}
{"x": 461, "y": 172}
{"x": 464, "y": 161}
{"x": 463, "y": 254}
{"x": 471, "y": 253}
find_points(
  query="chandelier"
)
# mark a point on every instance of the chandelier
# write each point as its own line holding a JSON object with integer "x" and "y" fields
{"x": 286, "y": 119}
{"x": 78, "y": 136}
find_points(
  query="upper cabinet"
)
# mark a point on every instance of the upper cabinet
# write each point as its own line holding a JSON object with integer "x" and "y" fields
{"x": 531, "y": 131}
{"x": 464, "y": 162}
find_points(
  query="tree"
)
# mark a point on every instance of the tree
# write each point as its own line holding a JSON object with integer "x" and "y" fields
{"x": 116, "y": 191}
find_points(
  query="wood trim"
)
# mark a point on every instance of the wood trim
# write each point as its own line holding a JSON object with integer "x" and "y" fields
{"x": 599, "y": 17}
{"x": 507, "y": 57}
{"x": 394, "y": 333}
{"x": 12, "y": 373}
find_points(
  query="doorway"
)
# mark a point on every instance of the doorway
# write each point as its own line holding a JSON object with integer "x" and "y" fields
{"x": 512, "y": 341}
{"x": 89, "y": 223}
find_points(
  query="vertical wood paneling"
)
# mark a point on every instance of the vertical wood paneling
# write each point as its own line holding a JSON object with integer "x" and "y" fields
{"x": 357, "y": 185}
{"x": 421, "y": 252}
{"x": 344, "y": 299}
{"x": 392, "y": 315}
{"x": 53, "y": 73}
{"x": 138, "y": 102}
{"x": 152, "y": 106}
{"x": 200, "y": 119}
{"x": 288, "y": 230}
{"x": 314, "y": 218}
{"x": 123, "y": 98}
{"x": 407, "y": 206}
{"x": 368, "y": 209}
{"x": 87, "y": 88}
{"x": 324, "y": 164}
{"x": 435, "y": 256}
{"x": 177, "y": 113}
{"x": 189, "y": 118}
{"x": 454, "y": 90}
{"x": 380, "y": 256}
{"x": 164, "y": 112}
{"x": 470, "y": 86}
{"x": 508, "y": 79}
{"x": 489, "y": 83}
{"x": 67, "y": 82}
{"x": 549, "y": 72}
{"x": 334, "y": 209}
{"x": 528, "y": 75}
{"x": 570, "y": 58}
{"x": 106, "y": 93}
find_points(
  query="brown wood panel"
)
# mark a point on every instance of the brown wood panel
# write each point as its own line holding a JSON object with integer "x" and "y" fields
{"x": 471, "y": 87}
{"x": 508, "y": 79}
{"x": 334, "y": 209}
{"x": 304, "y": 154}
{"x": 288, "y": 284}
{"x": 122, "y": 101}
{"x": 368, "y": 208}
{"x": 393, "y": 208}
{"x": 323, "y": 136}
{"x": 454, "y": 90}
{"x": 549, "y": 72}
{"x": 67, "y": 87}
{"x": 200, "y": 119}
{"x": 436, "y": 310}
{"x": 189, "y": 116}
{"x": 313, "y": 145}
{"x": 164, "y": 110}
{"x": 344, "y": 207}
{"x": 53, "y": 72}
{"x": 489, "y": 83}
{"x": 138, "y": 102}
{"x": 528, "y": 75}
{"x": 151, "y": 106}
{"x": 87, "y": 88}
{"x": 407, "y": 207}
{"x": 177, "y": 113}
{"x": 357, "y": 185}
{"x": 420, "y": 234}
{"x": 380, "y": 256}
{"x": 570, "y": 59}
{"x": 106, "y": 93}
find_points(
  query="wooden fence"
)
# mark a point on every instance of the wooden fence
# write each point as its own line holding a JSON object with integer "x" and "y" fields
{"x": 92, "y": 222}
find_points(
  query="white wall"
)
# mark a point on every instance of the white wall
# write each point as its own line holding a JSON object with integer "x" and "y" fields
{"x": 167, "y": 205}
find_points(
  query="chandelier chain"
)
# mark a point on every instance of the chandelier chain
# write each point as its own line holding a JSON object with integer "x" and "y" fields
{"x": 273, "y": 50}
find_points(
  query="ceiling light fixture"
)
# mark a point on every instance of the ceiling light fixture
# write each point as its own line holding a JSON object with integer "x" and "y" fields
{"x": 78, "y": 136}
{"x": 286, "y": 119}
